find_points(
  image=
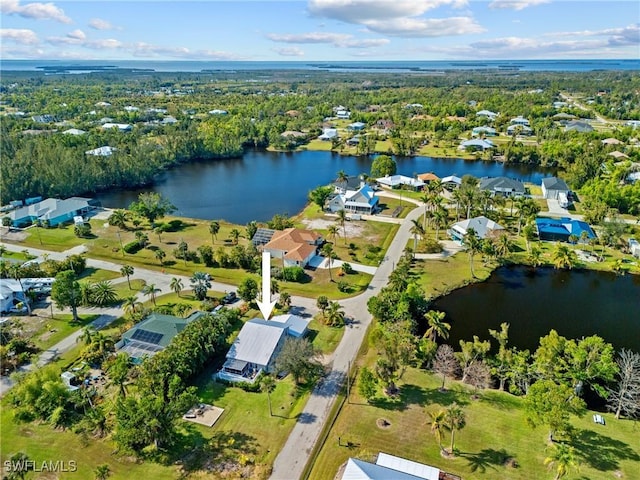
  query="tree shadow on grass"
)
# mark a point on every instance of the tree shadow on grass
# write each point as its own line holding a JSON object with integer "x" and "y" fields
{"x": 487, "y": 458}
{"x": 601, "y": 452}
{"x": 446, "y": 397}
{"x": 414, "y": 395}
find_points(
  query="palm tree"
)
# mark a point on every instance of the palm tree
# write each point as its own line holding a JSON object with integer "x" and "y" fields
{"x": 234, "y": 234}
{"x": 438, "y": 424}
{"x": 214, "y": 228}
{"x": 455, "y": 420}
{"x": 425, "y": 199}
{"x": 416, "y": 230}
{"x": 102, "y": 472}
{"x": 160, "y": 255}
{"x": 342, "y": 218}
{"x": 150, "y": 290}
{"x": 343, "y": 178}
{"x": 503, "y": 246}
{"x": 103, "y": 293}
{"x": 268, "y": 385}
{"x": 176, "y": 285}
{"x": 86, "y": 336}
{"x": 127, "y": 271}
{"x": 285, "y": 299}
{"x": 131, "y": 305}
{"x": 564, "y": 257}
{"x": 535, "y": 256}
{"x": 334, "y": 314}
{"x": 437, "y": 326}
{"x": 473, "y": 244}
{"x": 16, "y": 273}
{"x": 118, "y": 218}
{"x": 562, "y": 459}
{"x": 327, "y": 251}
{"x": 441, "y": 217}
{"x": 332, "y": 231}
{"x": 200, "y": 283}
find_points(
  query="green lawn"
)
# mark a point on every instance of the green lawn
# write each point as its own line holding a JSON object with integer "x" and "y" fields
{"x": 94, "y": 275}
{"x": 388, "y": 205}
{"x": 56, "y": 239}
{"x": 58, "y": 328}
{"x": 323, "y": 337}
{"x": 495, "y": 430}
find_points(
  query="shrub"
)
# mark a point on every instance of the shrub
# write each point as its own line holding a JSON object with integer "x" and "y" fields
{"x": 343, "y": 286}
{"x": 132, "y": 247}
{"x": 431, "y": 245}
{"x": 347, "y": 268}
{"x": 293, "y": 274}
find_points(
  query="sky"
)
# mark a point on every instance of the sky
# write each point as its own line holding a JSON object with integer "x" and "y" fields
{"x": 319, "y": 30}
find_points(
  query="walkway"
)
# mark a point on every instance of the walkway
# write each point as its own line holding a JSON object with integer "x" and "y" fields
{"x": 323, "y": 263}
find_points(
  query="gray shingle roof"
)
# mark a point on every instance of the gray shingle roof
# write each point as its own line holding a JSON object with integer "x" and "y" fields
{"x": 554, "y": 183}
{"x": 501, "y": 184}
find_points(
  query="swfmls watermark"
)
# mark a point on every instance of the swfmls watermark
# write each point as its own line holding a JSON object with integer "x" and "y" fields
{"x": 53, "y": 466}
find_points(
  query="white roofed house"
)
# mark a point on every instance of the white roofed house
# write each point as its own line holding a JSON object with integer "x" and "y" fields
{"x": 74, "y": 131}
{"x": 486, "y": 131}
{"x": 122, "y": 127}
{"x": 397, "y": 181}
{"x": 518, "y": 129}
{"x": 520, "y": 120}
{"x": 328, "y": 134}
{"x": 105, "y": 151}
{"x": 487, "y": 114}
{"x": 362, "y": 200}
{"x": 53, "y": 210}
{"x": 451, "y": 182}
{"x": 390, "y": 467}
{"x": 481, "y": 225}
{"x": 476, "y": 144}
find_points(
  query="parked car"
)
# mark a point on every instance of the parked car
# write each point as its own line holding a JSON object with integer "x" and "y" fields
{"x": 229, "y": 297}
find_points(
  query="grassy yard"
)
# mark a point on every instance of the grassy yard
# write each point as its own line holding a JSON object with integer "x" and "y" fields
{"x": 323, "y": 337}
{"x": 56, "y": 329}
{"x": 94, "y": 275}
{"x": 388, "y": 205}
{"x": 56, "y": 239}
{"x": 495, "y": 431}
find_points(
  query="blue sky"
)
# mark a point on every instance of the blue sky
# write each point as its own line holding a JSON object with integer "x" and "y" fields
{"x": 319, "y": 30}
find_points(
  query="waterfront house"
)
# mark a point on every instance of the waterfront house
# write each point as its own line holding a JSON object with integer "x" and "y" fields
{"x": 257, "y": 346}
{"x": 352, "y": 182}
{"x": 486, "y": 131}
{"x": 552, "y": 187}
{"x": 451, "y": 182}
{"x": 262, "y": 237}
{"x": 295, "y": 246}
{"x": 153, "y": 335}
{"x": 328, "y": 134}
{"x": 476, "y": 144}
{"x": 390, "y": 467}
{"x": 428, "y": 177}
{"x": 399, "y": 181}
{"x": 483, "y": 227}
{"x": 559, "y": 230}
{"x": 634, "y": 247}
{"x": 354, "y": 141}
{"x": 362, "y": 200}
{"x": 105, "y": 151}
{"x": 507, "y": 187}
{"x": 53, "y": 210}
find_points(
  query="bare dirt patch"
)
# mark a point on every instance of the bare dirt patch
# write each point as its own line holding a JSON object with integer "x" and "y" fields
{"x": 383, "y": 423}
{"x": 353, "y": 229}
{"x": 12, "y": 235}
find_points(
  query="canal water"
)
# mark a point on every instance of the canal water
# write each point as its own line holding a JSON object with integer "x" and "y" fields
{"x": 261, "y": 184}
{"x": 574, "y": 303}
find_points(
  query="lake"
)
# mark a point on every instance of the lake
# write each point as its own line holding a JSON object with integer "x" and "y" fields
{"x": 261, "y": 184}
{"x": 574, "y": 303}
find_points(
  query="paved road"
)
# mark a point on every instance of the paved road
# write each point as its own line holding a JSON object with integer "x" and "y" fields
{"x": 292, "y": 459}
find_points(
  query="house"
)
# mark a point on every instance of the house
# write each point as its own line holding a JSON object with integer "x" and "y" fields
{"x": 295, "y": 246}
{"x": 520, "y": 120}
{"x": 44, "y": 118}
{"x": 103, "y": 104}
{"x": 169, "y": 120}
{"x": 633, "y": 124}
{"x": 476, "y": 144}
{"x": 519, "y": 130}
{"x": 122, "y": 127}
{"x": 486, "y": 131}
{"x": 618, "y": 155}
{"x": 354, "y": 141}
{"x": 11, "y": 294}
{"x": 634, "y": 247}
{"x": 561, "y": 229}
{"x": 362, "y": 200}
{"x": 343, "y": 114}
{"x": 153, "y": 335}
{"x": 352, "y": 182}
{"x": 74, "y": 131}
{"x": 428, "y": 177}
{"x": 563, "y": 117}
{"x": 131, "y": 108}
{"x": 487, "y": 114}
{"x": 356, "y": 126}
{"x": 328, "y": 134}
{"x": 578, "y": 126}
{"x": 560, "y": 104}
{"x": 104, "y": 151}
{"x": 53, "y": 210}
{"x": 507, "y": 187}
{"x": 217, "y": 111}
{"x": 552, "y": 187}
{"x": 390, "y": 467}
{"x": 398, "y": 181}
{"x": 483, "y": 227}
{"x": 612, "y": 141}
{"x": 451, "y": 182}
{"x": 256, "y": 347}
{"x": 416, "y": 106}
{"x": 262, "y": 236}
{"x": 383, "y": 124}
{"x": 293, "y": 134}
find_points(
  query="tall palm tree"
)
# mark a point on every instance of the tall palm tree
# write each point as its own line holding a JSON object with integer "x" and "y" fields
{"x": 457, "y": 196}
{"x": 425, "y": 199}
{"x": 503, "y": 246}
{"x": 327, "y": 251}
{"x": 150, "y": 290}
{"x": 342, "y": 178}
{"x": 456, "y": 420}
{"x": 118, "y": 218}
{"x": 131, "y": 305}
{"x": 437, "y": 326}
{"x": 160, "y": 255}
{"x": 342, "y": 219}
{"x": 176, "y": 285}
{"x": 335, "y": 315}
{"x": 441, "y": 218}
{"x": 535, "y": 256}
{"x": 562, "y": 459}
{"x": 564, "y": 257}
{"x": 214, "y": 228}
{"x": 332, "y": 231}
{"x": 268, "y": 385}
{"x": 473, "y": 245}
{"x": 416, "y": 230}
{"x": 235, "y": 235}
{"x": 438, "y": 423}
{"x": 127, "y": 271}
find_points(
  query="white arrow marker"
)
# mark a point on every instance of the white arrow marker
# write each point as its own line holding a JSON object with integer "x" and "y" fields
{"x": 266, "y": 305}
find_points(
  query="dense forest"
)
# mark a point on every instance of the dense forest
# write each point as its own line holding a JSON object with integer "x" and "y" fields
{"x": 257, "y": 107}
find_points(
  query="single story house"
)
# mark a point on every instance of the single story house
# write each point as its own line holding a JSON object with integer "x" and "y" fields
{"x": 481, "y": 225}
{"x": 46, "y": 118}
{"x": 328, "y": 134}
{"x": 553, "y": 186}
{"x": 153, "y": 335}
{"x": 520, "y": 120}
{"x": 262, "y": 236}
{"x": 354, "y": 141}
{"x": 256, "y": 347}
{"x": 169, "y": 120}
{"x": 390, "y": 467}
{"x": 561, "y": 229}
{"x": 563, "y": 117}
{"x": 295, "y": 246}
{"x": 104, "y": 151}
{"x": 618, "y": 155}
{"x": 131, "y": 108}
{"x": 53, "y": 210}
{"x": 560, "y": 104}
{"x": 507, "y": 187}
{"x": 476, "y": 144}
{"x": 122, "y": 127}
{"x": 612, "y": 141}
{"x": 634, "y": 247}
{"x": 487, "y": 114}
{"x": 74, "y": 131}
{"x": 486, "y": 131}
{"x": 397, "y": 181}
{"x": 451, "y": 182}
{"x": 633, "y": 124}
{"x": 520, "y": 130}
{"x": 578, "y": 126}
{"x": 343, "y": 114}
{"x": 103, "y": 104}
{"x": 356, "y": 126}
{"x": 11, "y": 294}
{"x": 362, "y": 200}
{"x": 217, "y": 111}
{"x": 428, "y": 177}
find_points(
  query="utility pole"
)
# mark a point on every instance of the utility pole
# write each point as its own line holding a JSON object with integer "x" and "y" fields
{"x": 348, "y": 381}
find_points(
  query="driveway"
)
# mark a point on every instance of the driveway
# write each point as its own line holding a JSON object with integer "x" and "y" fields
{"x": 556, "y": 209}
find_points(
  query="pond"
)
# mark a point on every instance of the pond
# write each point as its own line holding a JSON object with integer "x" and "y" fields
{"x": 261, "y": 184}
{"x": 574, "y": 303}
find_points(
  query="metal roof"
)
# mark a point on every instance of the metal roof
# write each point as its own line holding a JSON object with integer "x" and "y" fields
{"x": 256, "y": 342}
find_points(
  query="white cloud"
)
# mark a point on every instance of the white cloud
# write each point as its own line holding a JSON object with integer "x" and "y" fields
{"x": 340, "y": 40}
{"x": 76, "y": 37}
{"x": 629, "y": 35}
{"x": 426, "y": 27}
{"x": 21, "y": 36}
{"x": 100, "y": 24}
{"x": 289, "y": 51}
{"x": 516, "y": 4}
{"x": 37, "y": 11}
